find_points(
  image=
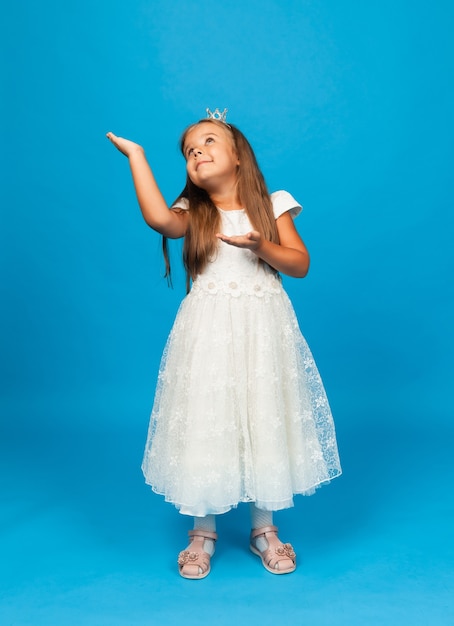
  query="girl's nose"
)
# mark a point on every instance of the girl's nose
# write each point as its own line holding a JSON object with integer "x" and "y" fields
{"x": 197, "y": 151}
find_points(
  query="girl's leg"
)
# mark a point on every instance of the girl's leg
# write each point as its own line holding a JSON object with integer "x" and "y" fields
{"x": 259, "y": 519}
{"x": 277, "y": 558}
{"x": 206, "y": 523}
{"x": 194, "y": 562}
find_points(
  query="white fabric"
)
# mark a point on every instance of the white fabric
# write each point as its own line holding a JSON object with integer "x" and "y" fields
{"x": 282, "y": 202}
{"x": 208, "y": 522}
{"x": 260, "y": 518}
{"x": 240, "y": 412}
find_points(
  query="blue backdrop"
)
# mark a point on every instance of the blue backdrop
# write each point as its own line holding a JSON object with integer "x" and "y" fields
{"x": 349, "y": 107}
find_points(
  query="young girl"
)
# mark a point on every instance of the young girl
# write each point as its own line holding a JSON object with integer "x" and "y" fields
{"x": 240, "y": 412}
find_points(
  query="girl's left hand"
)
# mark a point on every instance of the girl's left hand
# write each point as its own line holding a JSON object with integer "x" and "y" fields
{"x": 251, "y": 241}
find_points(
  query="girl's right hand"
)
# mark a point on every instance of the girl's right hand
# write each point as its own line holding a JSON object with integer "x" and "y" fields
{"x": 125, "y": 146}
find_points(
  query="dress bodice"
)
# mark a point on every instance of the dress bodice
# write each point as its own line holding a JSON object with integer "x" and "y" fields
{"x": 235, "y": 270}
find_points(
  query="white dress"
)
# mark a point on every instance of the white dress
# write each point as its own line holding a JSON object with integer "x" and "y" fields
{"x": 240, "y": 412}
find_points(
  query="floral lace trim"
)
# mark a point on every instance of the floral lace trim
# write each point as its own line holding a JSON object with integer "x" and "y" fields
{"x": 252, "y": 287}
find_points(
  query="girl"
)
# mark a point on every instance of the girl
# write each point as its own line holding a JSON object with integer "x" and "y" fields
{"x": 240, "y": 412}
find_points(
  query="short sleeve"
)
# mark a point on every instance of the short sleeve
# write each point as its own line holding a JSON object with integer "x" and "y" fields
{"x": 283, "y": 202}
{"x": 181, "y": 203}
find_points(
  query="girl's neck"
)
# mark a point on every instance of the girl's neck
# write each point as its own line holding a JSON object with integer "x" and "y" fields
{"x": 226, "y": 201}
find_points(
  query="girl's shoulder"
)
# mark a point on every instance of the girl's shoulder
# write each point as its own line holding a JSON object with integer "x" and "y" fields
{"x": 282, "y": 202}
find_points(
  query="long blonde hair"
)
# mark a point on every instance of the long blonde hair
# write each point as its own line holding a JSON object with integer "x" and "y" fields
{"x": 200, "y": 240}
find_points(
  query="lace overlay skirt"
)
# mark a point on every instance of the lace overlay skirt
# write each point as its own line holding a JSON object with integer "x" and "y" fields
{"x": 240, "y": 412}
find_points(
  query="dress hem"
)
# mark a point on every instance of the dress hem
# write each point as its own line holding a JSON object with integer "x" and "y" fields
{"x": 194, "y": 511}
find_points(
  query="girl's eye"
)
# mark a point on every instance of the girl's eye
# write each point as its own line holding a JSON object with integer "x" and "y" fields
{"x": 209, "y": 140}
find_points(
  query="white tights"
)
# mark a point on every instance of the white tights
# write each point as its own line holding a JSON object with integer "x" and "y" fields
{"x": 259, "y": 519}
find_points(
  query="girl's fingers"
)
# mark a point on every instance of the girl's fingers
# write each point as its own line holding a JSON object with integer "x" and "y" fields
{"x": 249, "y": 240}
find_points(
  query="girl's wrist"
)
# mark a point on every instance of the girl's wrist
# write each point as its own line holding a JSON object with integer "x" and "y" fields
{"x": 137, "y": 151}
{"x": 259, "y": 248}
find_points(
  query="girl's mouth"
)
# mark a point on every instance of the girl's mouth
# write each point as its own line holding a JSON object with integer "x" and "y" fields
{"x": 201, "y": 163}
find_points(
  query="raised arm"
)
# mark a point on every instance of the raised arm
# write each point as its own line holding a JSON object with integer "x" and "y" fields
{"x": 290, "y": 256}
{"x": 154, "y": 208}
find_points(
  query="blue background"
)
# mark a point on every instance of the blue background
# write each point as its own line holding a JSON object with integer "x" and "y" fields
{"x": 349, "y": 107}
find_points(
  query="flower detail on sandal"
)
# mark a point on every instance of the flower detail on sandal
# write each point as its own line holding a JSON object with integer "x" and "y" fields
{"x": 278, "y": 557}
{"x": 286, "y": 549}
{"x": 187, "y": 557}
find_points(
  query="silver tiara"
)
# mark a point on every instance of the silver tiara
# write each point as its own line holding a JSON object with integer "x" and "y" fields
{"x": 217, "y": 115}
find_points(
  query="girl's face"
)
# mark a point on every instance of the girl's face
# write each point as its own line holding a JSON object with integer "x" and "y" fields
{"x": 211, "y": 159}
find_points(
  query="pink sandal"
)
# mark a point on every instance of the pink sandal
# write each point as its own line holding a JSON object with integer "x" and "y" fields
{"x": 195, "y": 563}
{"x": 277, "y": 553}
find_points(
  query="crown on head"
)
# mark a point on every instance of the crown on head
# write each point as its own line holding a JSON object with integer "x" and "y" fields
{"x": 217, "y": 115}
